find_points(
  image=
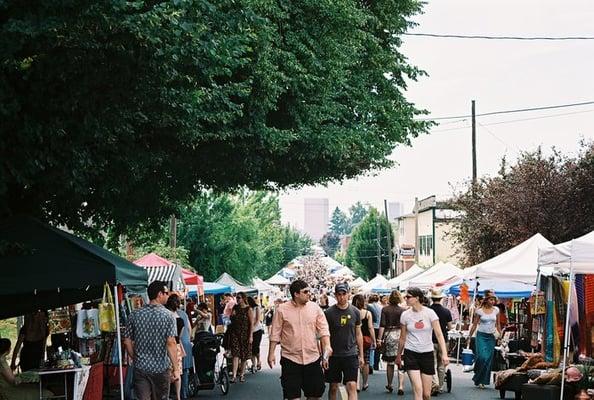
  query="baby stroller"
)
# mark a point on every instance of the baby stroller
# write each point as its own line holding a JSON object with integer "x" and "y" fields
{"x": 210, "y": 366}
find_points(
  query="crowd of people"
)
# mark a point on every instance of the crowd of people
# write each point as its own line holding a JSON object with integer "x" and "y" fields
{"x": 326, "y": 334}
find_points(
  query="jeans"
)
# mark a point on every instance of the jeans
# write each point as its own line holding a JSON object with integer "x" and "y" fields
{"x": 184, "y": 383}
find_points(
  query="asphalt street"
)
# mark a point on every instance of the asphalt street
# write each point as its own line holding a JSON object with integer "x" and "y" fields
{"x": 265, "y": 384}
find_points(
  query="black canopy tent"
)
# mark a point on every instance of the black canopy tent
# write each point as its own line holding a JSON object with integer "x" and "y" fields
{"x": 42, "y": 267}
{"x": 45, "y": 267}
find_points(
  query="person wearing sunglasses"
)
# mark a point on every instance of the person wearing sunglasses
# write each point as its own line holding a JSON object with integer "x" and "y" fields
{"x": 296, "y": 325}
{"x": 417, "y": 324}
{"x": 149, "y": 339}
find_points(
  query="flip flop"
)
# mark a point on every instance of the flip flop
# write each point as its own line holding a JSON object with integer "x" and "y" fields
{"x": 389, "y": 388}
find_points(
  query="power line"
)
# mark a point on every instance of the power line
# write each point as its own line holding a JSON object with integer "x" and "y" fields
{"x": 489, "y": 37}
{"x": 511, "y": 121}
{"x": 512, "y": 111}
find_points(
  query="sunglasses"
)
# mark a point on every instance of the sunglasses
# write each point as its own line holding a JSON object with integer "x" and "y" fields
{"x": 305, "y": 291}
{"x": 408, "y": 296}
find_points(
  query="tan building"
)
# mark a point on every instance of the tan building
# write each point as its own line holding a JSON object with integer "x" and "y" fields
{"x": 422, "y": 236}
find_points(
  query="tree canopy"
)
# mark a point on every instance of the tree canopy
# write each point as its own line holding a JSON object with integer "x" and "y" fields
{"x": 240, "y": 234}
{"x": 551, "y": 195}
{"x": 362, "y": 253}
{"x": 115, "y": 112}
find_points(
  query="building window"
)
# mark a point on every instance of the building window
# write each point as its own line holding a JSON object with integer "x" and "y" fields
{"x": 426, "y": 245}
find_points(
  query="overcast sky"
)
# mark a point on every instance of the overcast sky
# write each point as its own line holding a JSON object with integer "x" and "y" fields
{"x": 499, "y": 75}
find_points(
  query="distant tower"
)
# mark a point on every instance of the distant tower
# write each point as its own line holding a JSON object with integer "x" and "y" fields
{"x": 394, "y": 210}
{"x": 316, "y": 218}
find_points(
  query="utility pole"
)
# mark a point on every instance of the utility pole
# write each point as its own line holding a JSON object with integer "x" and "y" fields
{"x": 390, "y": 244}
{"x": 473, "y": 143}
{"x": 173, "y": 232}
{"x": 379, "y": 247}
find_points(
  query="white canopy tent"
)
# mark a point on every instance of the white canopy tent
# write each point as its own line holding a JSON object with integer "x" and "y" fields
{"x": 407, "y": 275}
{"x": 573, "y": 257}
{"x": 331, "y": 264}
{"x": 439, "y": 273}
{"x": 264, "y": 287}
{"x": 357, "y": 283}
{"x": 377, "y": 284}
{"x": 344, "y": 271}
{"x": 278, "y": 280}
{"x": 518, "y": 264}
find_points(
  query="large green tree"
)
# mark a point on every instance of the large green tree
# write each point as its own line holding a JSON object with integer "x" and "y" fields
{"x": 339, "y": 222}
{"x": 116, "y": 111}
{"x": 357, "y": 213}
{"x": 239, "y": 234}
{"x": 550, "y": 195}
{"x": 364, "y": 248}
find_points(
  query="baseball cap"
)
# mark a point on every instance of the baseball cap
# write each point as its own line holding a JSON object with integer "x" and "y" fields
{"x": 342, "y": 287}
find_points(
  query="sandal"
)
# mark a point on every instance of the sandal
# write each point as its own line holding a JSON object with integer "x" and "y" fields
{"x": 389, "y": 388}
{"x": 400, "y": 392}
{"x": 241, "y": 378}
{"x": 364, "y": 388}
{"x": 259, "y": 367}
{"x": 232, "y": 380}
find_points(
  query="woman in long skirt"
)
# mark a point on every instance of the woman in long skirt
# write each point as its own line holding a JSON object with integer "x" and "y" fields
{"x": 486, "y": 324}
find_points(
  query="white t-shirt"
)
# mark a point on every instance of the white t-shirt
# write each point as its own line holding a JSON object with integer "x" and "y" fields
{"x": 418, "y": 329}
{"x": 487, "y": 322}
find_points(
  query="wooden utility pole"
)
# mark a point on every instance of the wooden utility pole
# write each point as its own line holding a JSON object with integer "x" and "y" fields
{"x": 390, "y": 244}
{"x": 173, "y": 232}
{"x": 473, "y": 143}
{"x": 379, "y": 247}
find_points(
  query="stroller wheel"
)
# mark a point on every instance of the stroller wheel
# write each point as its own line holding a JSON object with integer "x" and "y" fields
{"x": 224, "y": 381}
{"x": 448, "y": 379}
{"x": 193, "y": 385}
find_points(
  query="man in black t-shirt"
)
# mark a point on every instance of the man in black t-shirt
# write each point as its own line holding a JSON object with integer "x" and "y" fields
{"x": 445, "y": 322}
{"x": 346, "y": 340}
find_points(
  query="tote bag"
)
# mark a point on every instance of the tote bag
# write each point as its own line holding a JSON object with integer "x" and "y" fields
{"x": 87, "y": 324}
{"x": 59, "y": 321}
{"x": 107, "y": 322}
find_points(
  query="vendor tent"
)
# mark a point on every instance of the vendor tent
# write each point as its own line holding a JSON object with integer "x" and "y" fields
{"x": 278, "y": 280}
{"x": 343, "y": 271}
{"x": 502, "y": 288}
{"x": 287, "y": 273}
{"x": 331, "y": 264}
{"x": 439, "y": 273}
{"x": 236, "y": 286}
{"x": 572, "y": 257}
{"x": 578, "y": 253}
{"x": 42, "y": 267}
{"x": 407, "y": 275}
{"x": 211, "y": 288}
{"x": 161, "y": 269}
{"x": 264, "y": 287}
{"x": 377, "y": 284}
{"x": 357, "y": 283}
{"x": 519, "y": 263}
{"x": 193, "y": 279}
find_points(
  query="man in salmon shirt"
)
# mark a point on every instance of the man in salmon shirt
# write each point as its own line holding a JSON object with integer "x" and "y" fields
{"x": 297, "y": 325}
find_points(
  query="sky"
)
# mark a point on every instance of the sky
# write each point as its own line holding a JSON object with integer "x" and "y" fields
{"x": 498, "y": 75}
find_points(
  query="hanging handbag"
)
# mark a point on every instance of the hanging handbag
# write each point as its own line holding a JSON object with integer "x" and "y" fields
{"x": 366, "y": 342}
{"x": 59, "y": 321}
{"x": 87, "y": 324}
{"x": 107, "y": 322}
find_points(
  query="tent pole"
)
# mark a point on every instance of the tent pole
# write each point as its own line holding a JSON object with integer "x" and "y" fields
{"x": 119, "y": 338}
{"x": 566, "y": 337}
{"x": 536, "y": 305}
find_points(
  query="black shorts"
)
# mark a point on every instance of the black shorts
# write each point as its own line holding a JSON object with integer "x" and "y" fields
{"x": 343, "y": 369}
{"x": 419, "y": 361}
{"x": 297, "y": 377}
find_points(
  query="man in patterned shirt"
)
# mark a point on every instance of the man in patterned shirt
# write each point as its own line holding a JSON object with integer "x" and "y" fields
{"x": 150, "y": 342}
